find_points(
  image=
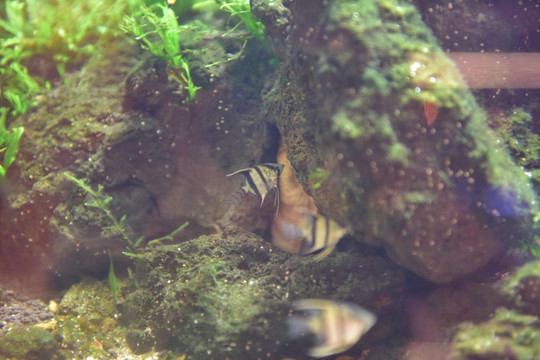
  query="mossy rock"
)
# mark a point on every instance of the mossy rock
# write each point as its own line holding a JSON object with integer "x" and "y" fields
{"x": 226, "y": 296}
{"x": 509, "y": 335}
{"x": 354, "y": 96}
{"x": 523, "y": 288}
{"x": 28, "y": 343}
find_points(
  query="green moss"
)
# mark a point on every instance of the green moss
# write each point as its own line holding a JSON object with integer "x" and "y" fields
{"x": 398, "y": 152}
{"x": 318, "y": 177}
{"x": 507, "y": 333}
{"x": 501, "y": 171}
{"x": 515, "y": 130}
{"x": 216, "y": 294}
{"x": 347, "y": 126}
{"x": 28, "y": 343}
{"x": 90, "y": 298}
{"x": 86, "y": 320}
{"x": 511, "y": 285}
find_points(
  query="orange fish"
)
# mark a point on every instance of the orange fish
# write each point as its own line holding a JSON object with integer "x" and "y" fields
{"x": 298, "y": 228}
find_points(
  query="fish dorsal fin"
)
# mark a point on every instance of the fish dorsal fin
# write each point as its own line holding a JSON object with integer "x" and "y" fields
{"x": 274, "y": 166}
{"x": 238, "y": 172}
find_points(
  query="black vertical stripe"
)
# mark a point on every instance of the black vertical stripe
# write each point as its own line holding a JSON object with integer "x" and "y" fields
{"x": 260, "y": 183}
{"x": 259, "y": 171}
{"x": 314, "y": 232}
{"x": 327, "y": 232}
{"x": 252, "y": 184}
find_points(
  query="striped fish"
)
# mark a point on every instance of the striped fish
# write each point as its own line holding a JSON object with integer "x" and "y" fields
{"x": 321, "y": 233}
{"x": 261, "y": 179}
{"x": 337, "y": 325}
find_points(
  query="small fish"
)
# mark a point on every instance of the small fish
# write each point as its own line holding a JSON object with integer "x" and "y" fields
{"x": 261, "y": 179}
{"x": 319, "y": 233}
{"x": 337, "y": 325}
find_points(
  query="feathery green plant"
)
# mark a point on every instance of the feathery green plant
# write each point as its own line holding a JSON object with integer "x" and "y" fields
{"x": 101, "y": 201}
{"x": 64, "y": 30}
{"x": 169, "y": 236}
{"x": 242, "y": 10}
{"x": 160, "y": 22}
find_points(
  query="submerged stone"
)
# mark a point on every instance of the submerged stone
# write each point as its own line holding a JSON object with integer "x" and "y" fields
{"x": 365, "y": 93}
{"x": 226, "y": 296}
{"x": 31, "y": 343}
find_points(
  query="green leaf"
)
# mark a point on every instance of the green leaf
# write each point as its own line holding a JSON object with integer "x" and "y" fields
{"x": 12, "y": 141}
{"x": 133, "y": 255}
{"x": 138, "y": 242}
{"x": 114, "y": 283}
{"x": 171, "y": 235}
{"x": 132, "y": 277}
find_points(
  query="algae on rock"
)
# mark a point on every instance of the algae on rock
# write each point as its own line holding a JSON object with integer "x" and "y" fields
{"x": 226, "y": 296}
{"x": 120, "y": 122}
{"x": 29, "y": 343}
{"x": 442, "y": 198}
{"x": 509, "y": 335}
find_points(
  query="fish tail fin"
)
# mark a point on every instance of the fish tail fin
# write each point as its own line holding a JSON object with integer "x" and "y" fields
{"x": 324, "y": 253}
{"x": 324, "y": 351}
{"x": 297, "y": 326}
{"x": 290, "y": 231}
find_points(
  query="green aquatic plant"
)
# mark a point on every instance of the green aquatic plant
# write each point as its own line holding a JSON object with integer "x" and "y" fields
{"x": 242, "y": 10}
{"x": 114, "y": 284}
{"x": 169, "y": 236}
{"x": 158, "y": 31}
{"x": 101, "y": 201}
{"x": 180, "y": 7}
{"x": 60, "y": 32}
{"x": 9, "y": 142}
{"x": 18, "y": 87}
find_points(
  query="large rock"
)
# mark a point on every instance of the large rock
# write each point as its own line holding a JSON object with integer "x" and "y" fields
{"x": 226, "y": 296}
{"x": 123, "y": 123}
{"x": 365, "y": 94}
